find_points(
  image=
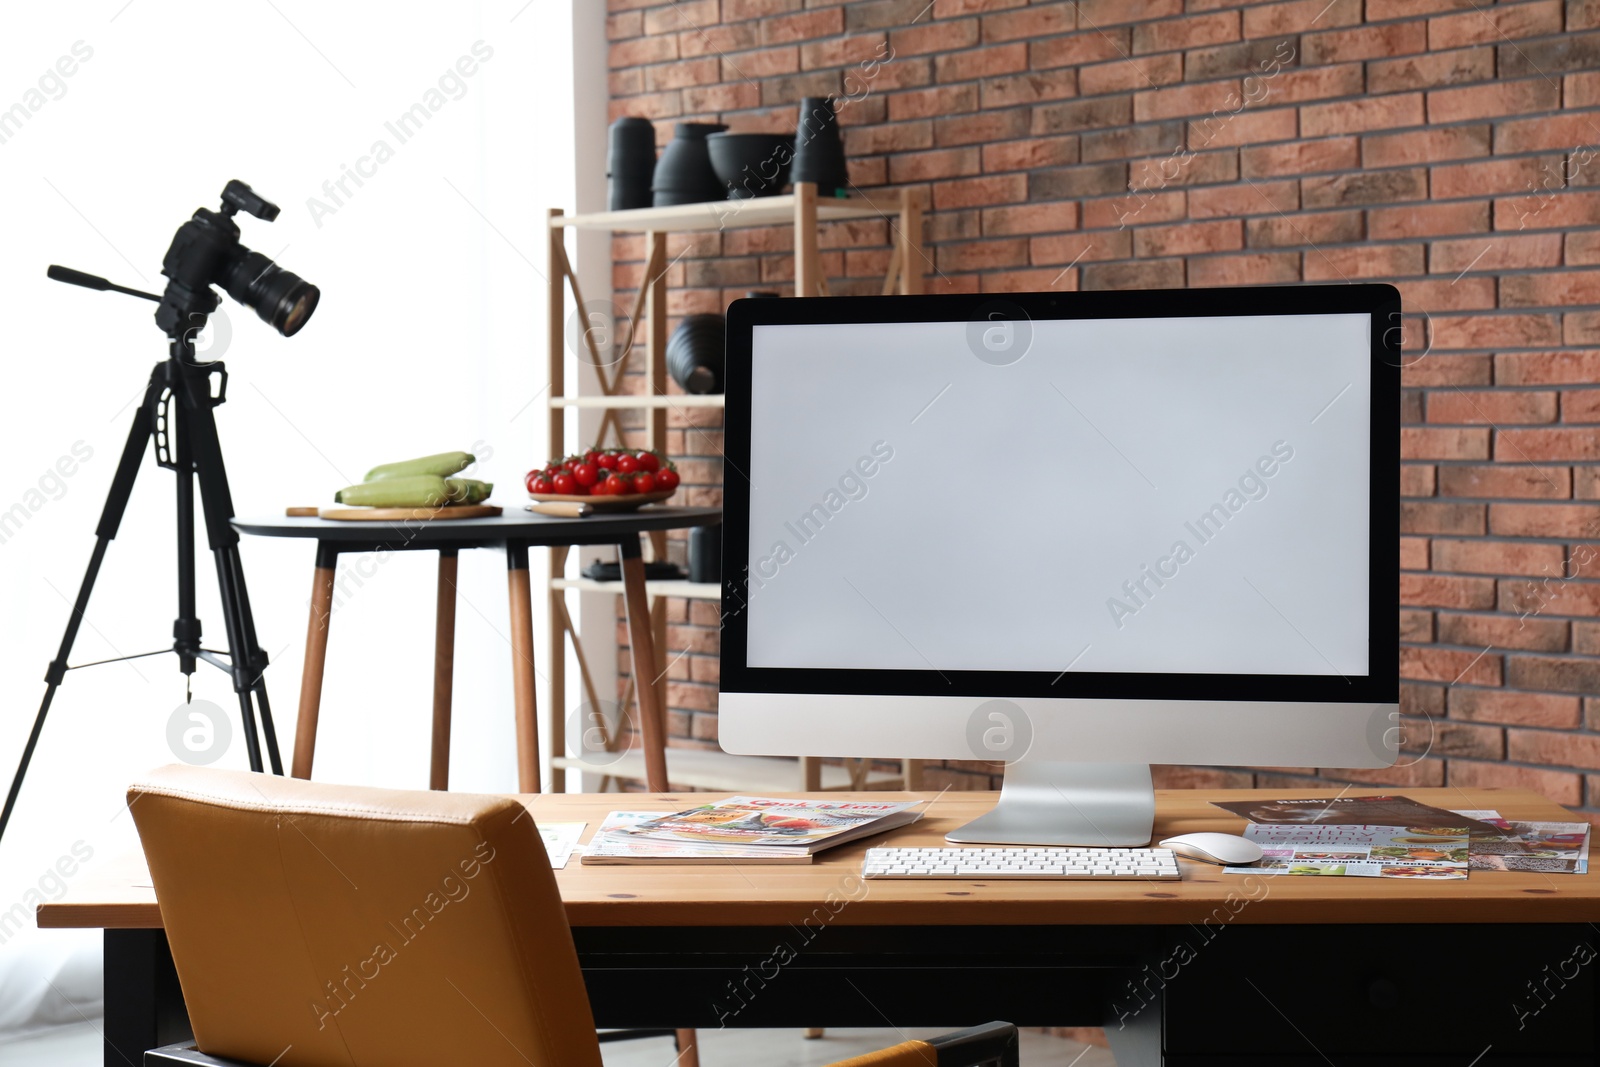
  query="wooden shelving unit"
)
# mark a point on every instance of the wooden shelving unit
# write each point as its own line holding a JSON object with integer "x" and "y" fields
{"x": 804, "y": 210}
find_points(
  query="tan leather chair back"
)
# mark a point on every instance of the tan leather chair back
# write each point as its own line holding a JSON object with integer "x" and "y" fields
{"x": 315, "y": 925}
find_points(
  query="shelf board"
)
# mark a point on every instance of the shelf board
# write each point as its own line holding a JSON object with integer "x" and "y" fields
{"x": 688, "y": 400}
{"x": 721, "y": 772}
{"x": 661, "y": 587}
{"x": 727, "y": 214}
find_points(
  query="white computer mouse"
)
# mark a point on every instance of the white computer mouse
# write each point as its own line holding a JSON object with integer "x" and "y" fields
{"x": 1229, "y": 850}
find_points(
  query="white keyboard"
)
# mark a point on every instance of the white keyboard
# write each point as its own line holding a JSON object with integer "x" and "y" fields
{"x": 1127, "y": 864}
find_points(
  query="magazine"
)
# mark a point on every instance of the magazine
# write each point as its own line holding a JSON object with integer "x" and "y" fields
{"x": 1539, "y": 847}
{"x": 1352, "y": 811}
{"x": 1360, "y": 851}
{"x": 745, "y": 829}
{"x": 560, "y": 840}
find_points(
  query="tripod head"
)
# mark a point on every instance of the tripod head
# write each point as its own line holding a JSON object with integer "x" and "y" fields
{"x": 206, "y": 252}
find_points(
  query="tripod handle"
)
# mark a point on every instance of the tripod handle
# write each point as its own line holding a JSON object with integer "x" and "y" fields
{"x": 94, "y": 281}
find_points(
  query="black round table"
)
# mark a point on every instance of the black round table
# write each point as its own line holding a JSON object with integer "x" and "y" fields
{"x": 515, "y": 532}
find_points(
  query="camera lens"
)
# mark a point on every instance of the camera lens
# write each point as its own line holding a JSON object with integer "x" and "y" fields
{"x": 282, "y": 298}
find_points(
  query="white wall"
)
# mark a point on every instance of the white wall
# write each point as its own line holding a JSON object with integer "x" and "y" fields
{"x": 429, "y": 337}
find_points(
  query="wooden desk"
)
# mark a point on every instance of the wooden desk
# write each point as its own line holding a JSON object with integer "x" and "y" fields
{"x": 1290, "y": 969}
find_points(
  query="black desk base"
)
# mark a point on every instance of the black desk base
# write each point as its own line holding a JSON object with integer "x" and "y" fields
{"x": 1176, "y": 996}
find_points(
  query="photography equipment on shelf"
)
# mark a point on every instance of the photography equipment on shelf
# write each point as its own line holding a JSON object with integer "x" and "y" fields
{"x": 177, "y": 415}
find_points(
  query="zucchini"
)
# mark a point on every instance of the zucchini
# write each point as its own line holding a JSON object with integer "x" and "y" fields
{"x": 416, "y": 491}
{"x": 441, "y": 465}
{"x": 468, "y": 490}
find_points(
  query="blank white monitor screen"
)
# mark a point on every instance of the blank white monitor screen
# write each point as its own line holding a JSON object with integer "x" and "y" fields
{"x": 1164, "y": 495}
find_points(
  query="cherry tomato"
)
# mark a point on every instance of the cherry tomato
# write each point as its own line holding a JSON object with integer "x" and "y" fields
{"x": 540, "y": 485}
{"x": 667, "y": 479}
{"x": 585, "y": 474}
{"x": 592, "y": 458}
{"x": 647, "y": 461}
{"x": 644, "y": 482}
{"x": 564, "y": 484}
{"x": 529, "y": 480}
{"x": 580, "y": 490}
{"x": 626, "y": 464}
{"x": 607, "y": 460}
{"x": 616, "y": 485}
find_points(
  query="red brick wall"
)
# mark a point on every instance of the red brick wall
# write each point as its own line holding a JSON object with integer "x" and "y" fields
{"x": 1447, "y": 146}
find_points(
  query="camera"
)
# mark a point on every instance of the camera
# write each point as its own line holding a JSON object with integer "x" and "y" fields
{"x": 206, "y": 252}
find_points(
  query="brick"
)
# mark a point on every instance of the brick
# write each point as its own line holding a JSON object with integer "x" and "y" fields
{"x": 983, "y": 255}
{"x": 1547, "y": 368}
{"x": 1493, "y": 101}
{"x": 1459, "y": 67}
{"x": 1494, "y": 24}
{"x": 802, "y": 26}
{"x": 1581, "y": 90}
{"x": 642, "y": 50}
{"x": 1417, "y": 479}
{"x": 1563, "y": 289}
{"x": 1364, "y": 261}
{"x": 624, "y": 24}
{"x": 1275, "y": 20}
{"x": 1495, "y": 331}
{"x": 1251, "y": 268}
{"x": 1550, "y": 595}
{"x": 1030, "y": 88}
{"x": 1080, "y": 49}
{"x": 1098, "y": 13}
{"x": 1425, "y": 146}
{"x": 1185, "y": 100}
{"x": 895, "y": 137}
{"x": 1550, "y": 207}
{"x": 1367, "y": 42}
{"x": 913, "y": 167}
{"x": 983, "y": 128}
{"x": 1446, "y": 591}
{"x": 1425, "y": 700}
{"x": 1544, "y": 520}
{"x": 1417, "y": 442}
{"x": 1027, "y": 155}
{"x": 1580, "y": 328}
{"x": 981, "y": 63}
{"x": 1142, "y": 206}
{"x": 1330, "y": 227}
{"x": 718, "y": 40}
{"x": 1519, "y": 709}
{"x": 1551, "y": 131}
{"x": 933, "y": 37}
{"x": 685, "y": 15}
{"x": 1318, "y": 83}
{"x": 1572, "y": 51}
{"x": 1262, "y": 58}
{"x": 1558, "y": 444}
{"x": 1166, "y": 35}
{"x": 1244, "y": 128}
{"x": 1586, "y": 642}
{"x": 1586, "y": 483}
{"x": 1428, "y": 220}
{"x": 684, "y": 72}
{"x": 1300, "y": 157}
{"x": 1128, "y": 142}
{"x": 787, "y": 88}
{"x": 1146, "y": 72}
{"x": 1074, "y": 182}
{"x": 1506, "y": 481}
{"x": 1414, "y": 551}
{"x": 1486, "y": 177}
{"x": 1559, "y": 786}
{"x": 1081, "y": 247}
{"x": 1042, "y": 20}
{"x": 1580, "y": 405}
{"x": 1189, "y": 238}
{"x": 1356, "y": 116}
{"x": 740, "y": 10}
{"x": 1456, "y": 739}
{"x": 1030, "y": 219}
{"x": 1501, "y": 631}
{"x": 974, "y": 192}
{"x": 1416, "y": 626}
{"x": 1078, "y": 115}
{"x": 1553, "y": 749}
{"x": 1368, "y": 188}
{"x": 1491, "y": 406}
{"x": 1473, "y": 292}
{"x": 1148, "y": 274}
{"x": 930, "y": 103}
{"x": 1450, "y": 666}
{"x": 1234, "y": 201}
{"x": 1496, "y": 557}
{"x": 843, "y": 51}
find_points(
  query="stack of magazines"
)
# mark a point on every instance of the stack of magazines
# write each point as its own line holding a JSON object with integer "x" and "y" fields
{"x": 743, "y": 830}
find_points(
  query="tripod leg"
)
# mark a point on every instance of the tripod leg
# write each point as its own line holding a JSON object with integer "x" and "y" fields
{"x": 110, "y": 519}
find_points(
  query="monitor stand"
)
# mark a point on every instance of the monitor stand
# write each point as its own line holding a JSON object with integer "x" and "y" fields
{"x": 1048, "y": 803}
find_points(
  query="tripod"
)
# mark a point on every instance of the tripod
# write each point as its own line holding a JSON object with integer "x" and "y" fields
{"x": 177, "y": 413}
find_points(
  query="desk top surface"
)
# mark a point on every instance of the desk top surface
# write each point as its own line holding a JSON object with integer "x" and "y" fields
{"x": 118, "y": 894}
{"x": 517, "y": 524}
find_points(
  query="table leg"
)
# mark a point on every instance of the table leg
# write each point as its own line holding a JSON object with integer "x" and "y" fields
{"x": 522, "y": 675}
{"x": 444, "y": 662}
{"x": 305, "y": 731}
{"x": 643, "y": 646}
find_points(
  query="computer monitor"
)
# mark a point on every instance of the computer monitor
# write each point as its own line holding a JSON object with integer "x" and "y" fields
{"x": 1079, "y": 533}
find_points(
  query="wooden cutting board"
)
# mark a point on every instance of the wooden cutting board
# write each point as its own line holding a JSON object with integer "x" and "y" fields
{"x": 459, "y": 511}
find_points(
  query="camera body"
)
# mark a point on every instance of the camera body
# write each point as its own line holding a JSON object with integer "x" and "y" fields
{"x": 206, "y": 252}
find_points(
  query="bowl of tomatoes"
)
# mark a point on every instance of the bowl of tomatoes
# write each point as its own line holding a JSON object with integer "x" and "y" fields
{"x": 607, "y": 479}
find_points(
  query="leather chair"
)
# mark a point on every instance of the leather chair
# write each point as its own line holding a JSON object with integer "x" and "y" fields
{"x": 315, "y": 925}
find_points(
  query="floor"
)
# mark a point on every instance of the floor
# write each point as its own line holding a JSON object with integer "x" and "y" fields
{"x": 79, "y": 1046}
